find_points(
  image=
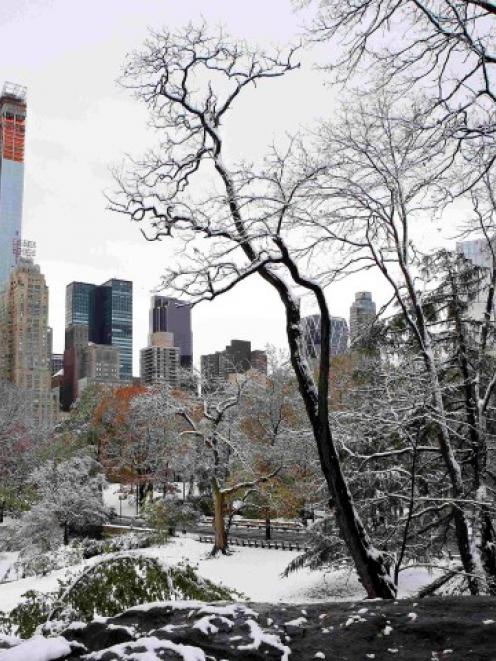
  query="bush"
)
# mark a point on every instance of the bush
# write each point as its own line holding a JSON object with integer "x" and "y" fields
{"x": 167, "y": 515}
{"x": 93, "y": 547}
{"x": 108, "y": 588}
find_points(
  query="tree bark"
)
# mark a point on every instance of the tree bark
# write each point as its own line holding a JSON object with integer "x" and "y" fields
{"x": 221, "y": 537}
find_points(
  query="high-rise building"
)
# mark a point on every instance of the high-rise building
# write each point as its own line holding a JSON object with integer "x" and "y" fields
{"x": 12, "y": 135}
{"x": 103, "y": 315}
{"x": 76, "y": 339}
{"x": 160, "y": 362}
{"x": 171, "y": 315}
{"x": 237, "y": 358}
{"x": 77, "y": 303}
{"x": 312, "y": 339}
{"x": 25, "y": 337}
{"x": 111, "y": 320}
{"x": 362, "y": 315}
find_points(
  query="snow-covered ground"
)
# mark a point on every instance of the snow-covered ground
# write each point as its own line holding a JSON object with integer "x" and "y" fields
{"x": 254, "y": 572}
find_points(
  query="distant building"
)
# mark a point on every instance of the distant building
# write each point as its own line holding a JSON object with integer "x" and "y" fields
{"x": 56, "y": 362}
{"x": 111, "y": 320}
{"x": 77, "y": 303}
{"x": 12, "y": 136}
{"x": 478, "y": 252}
{"x": 312, "y": 338}
{"x": 363, "y": 314}
{"x": 24, "y": 340}
{"x": 100, "y": 363}
{"x": 237, "y": 358}
{"x": 76, "y": 339}
{"x": 170, "y": 315}
{"x": 161, "y": 361}
{"x": 103, "y": 315}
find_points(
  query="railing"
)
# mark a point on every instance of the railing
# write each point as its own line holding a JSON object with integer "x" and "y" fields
{"x": 258, "y": 543}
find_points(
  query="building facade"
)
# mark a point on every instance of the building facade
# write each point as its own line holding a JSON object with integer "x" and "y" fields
{"x": 100, "y": 363}
{"x": 363, "y": 313}
{"x": 12, "y": 138}
{"x": 237, "y": 358}
{"x": 312, "y": 337}
{"x": 111, "y": 320}
{"x": 160, "y": 362}
{"x": 170, "y": 315}
{"x": 25, "y": 340}
{"x": 103, "y": 315}
{"x": 77, "y": 303}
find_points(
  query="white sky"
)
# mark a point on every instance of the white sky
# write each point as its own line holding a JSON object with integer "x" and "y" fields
{"x": 69, "y": 54}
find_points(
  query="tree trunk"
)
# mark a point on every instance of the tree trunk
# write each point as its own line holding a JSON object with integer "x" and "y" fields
{"x": 220, "y": 543}
{"x": 66, "y": 533}
{"x": 371, "y": 565}
{"x": 267, "y": 524}
{"x": 2, "y": 509}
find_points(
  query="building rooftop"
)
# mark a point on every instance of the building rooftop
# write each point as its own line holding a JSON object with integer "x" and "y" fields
{"x": 14, "y": 91}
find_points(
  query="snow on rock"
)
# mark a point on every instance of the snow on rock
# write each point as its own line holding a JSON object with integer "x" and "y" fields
{"x": 259, "y": 637}
{"x": 151, "y": 645}
{"x": 206, "y": 625}
{"x": 38, "y": 648}
{"x": 298, "y": 622}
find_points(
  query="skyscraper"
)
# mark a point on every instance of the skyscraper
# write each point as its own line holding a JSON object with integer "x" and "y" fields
{"x": 103, "y": 315}
{"x": 311, "y": 336}
{"x": 362, "y": 315}
{"x": 25, "y": 360}
{"x": 170, "y": 315}
{"x": 12, "y": 135}
{"x": 77, "y": 303}
{"x": 111, "y": 320}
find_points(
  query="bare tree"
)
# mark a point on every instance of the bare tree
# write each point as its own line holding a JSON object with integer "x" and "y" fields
{"x": 237, "y": 224}
{"x": 443, "y": 48}
{"x": 385, "y": 172}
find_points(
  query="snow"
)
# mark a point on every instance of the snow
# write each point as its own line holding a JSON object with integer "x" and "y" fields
{"x": 151, "y": 645}
{"x": 300, "y": 621}
{"x": 205, "y": 625}
{"x": 256, "y": 573}
{"x": 38, "y": 648}
{"x": 7, "y": 562}
{"x": 259, "y": 637}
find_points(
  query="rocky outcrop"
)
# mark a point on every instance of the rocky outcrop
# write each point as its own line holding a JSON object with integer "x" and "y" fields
{"x": 447, "y": 628}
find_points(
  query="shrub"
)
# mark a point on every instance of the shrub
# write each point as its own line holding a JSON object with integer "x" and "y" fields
{"x": 108, "y": 588}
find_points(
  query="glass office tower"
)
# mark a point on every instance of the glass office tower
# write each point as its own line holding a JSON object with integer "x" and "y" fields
{"x": 12, "y": 134}
{"x": 111, "y": 320}
{"x": 311, "y": 336}
{"x": 77, "y": 303}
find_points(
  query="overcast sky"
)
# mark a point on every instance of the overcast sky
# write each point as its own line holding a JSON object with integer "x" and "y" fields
{"x": 69, "y": 54}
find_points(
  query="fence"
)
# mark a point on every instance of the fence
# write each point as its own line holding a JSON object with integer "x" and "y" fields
{"x": 258, "y": 543}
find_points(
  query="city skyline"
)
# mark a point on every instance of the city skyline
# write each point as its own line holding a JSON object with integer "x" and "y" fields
{"x": 65, "y": 210}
